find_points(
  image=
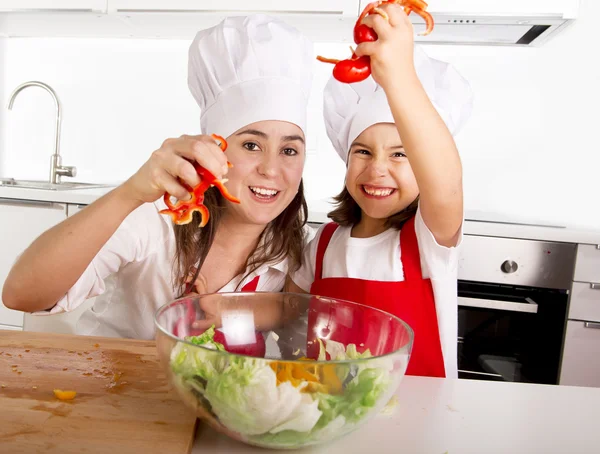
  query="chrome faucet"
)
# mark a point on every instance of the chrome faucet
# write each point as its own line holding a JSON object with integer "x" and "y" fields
{"x": 56, "y": 169}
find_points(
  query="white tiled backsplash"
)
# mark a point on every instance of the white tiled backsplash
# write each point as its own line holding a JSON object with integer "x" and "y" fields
{"x": 530, "y": 149}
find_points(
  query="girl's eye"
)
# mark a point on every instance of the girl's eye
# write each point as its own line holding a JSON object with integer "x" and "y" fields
{"x": 289, "y": 152}
{"x": 361, "y": 151}
{"x": 251, "y": 146}
{"x": 398, "y": 154}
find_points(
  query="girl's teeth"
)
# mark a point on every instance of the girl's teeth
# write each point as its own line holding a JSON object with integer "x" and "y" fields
{"x": 263, "y": 191}
{"x": 378, "y": 192}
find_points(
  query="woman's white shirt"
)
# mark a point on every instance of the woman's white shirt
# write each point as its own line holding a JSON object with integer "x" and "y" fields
{"x": 132, "y": 276}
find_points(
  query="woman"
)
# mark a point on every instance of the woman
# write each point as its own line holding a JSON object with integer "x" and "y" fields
{"x": 251, "y": 77}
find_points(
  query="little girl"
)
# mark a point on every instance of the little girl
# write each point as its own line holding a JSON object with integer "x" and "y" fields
{"x": 398, "y": 223}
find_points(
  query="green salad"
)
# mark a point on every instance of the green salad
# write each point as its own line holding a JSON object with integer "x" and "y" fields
{"x": 284, "y": 403}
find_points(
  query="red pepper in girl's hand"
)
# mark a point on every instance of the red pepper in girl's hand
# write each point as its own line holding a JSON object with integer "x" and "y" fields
{"x": 364, "y": 33}
{"x": 356, "y": 69}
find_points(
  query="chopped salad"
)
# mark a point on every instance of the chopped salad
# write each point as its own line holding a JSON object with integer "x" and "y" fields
{"x": 282, "y": 403}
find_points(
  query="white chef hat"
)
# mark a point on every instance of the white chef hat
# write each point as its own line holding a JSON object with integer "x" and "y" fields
{"x": 349, "y": 109}
{"x": 248, "y": 69}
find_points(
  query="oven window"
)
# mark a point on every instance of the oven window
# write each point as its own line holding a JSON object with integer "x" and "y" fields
{"x": 519, "y": 340}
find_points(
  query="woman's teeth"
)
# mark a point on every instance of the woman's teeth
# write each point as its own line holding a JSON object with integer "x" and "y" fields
{"x": 378, "y": 192}
{"x": 263, "y": 192}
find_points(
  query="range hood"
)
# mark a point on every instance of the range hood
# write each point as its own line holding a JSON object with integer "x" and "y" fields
{"x": 491, "y": 22}
{"x": 459, "y": 22}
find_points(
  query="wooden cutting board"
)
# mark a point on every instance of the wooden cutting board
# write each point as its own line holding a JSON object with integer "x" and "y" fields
{"x": 123, "y": 403}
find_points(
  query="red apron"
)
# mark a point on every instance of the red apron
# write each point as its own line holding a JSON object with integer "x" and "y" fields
{"x": 411, "y": 300}
{"x": 183, "y": 327}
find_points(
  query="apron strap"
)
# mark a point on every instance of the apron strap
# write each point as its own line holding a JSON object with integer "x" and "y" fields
{"x": 252, "y": 285}
{"x": 409, "y": 251}
{"x": 326, "y": 235}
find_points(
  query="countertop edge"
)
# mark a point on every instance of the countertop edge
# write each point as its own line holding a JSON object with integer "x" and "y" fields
{"x": 568, "y": 234}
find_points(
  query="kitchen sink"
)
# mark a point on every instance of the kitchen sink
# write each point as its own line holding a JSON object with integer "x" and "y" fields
{"x": 39, "y": 184}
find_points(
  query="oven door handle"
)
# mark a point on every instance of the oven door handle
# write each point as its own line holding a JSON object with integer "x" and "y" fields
{"x": 530, "y": 306}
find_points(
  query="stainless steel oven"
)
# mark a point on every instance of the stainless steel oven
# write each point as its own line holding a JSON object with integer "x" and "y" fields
{"x": 512, "y": 297}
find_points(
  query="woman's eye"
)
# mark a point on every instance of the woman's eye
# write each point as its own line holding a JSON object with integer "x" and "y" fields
{"x": 289, "y": 152}
{"x": 251, "y": 146}
{"x": 361, "y": 151}
{"x": 398, "y": 154}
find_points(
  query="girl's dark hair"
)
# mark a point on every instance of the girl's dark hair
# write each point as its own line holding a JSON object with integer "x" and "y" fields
{"x": 283, "y": 237}
{"x": 347, "y": 212}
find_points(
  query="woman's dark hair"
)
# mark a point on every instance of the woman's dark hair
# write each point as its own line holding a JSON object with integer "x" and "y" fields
{"x": 283, "y": 237}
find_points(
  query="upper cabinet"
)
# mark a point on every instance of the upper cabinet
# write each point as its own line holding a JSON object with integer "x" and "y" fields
{"x": 52, "y": 5}
{"x": 457, "y": 22}
{"x": 332, "y": 7}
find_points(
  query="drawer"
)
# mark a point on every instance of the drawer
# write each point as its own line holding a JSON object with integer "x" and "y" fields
{"x": 584, "y": 303}
{"x": 587, "y": 264}
{"x": 581, "y": 355}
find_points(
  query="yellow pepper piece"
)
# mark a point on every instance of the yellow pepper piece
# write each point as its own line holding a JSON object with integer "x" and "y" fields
{"x": 320, "y": 378}
{"x": 330, "y": 379}
{"x": 64, "y": 395}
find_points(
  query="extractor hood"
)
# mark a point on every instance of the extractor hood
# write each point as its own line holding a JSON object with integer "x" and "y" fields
{"x": 491, "y": 22}
{"x": 470, "y": 22}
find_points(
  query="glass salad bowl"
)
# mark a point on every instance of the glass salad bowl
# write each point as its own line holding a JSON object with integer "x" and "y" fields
{"x": 281, "y": 370}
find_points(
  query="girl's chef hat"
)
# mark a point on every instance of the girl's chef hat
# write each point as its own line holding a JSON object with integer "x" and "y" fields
{"x": 249, "y": 69}
{"x": 349, "y": 109}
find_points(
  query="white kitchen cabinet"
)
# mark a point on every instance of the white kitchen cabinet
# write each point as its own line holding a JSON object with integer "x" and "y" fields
{"x": 587, "y": 267}
{"x": 580, "y": 364}
{"x": 581, "y": 354}
{"x": 22, "y": 221}
{"x": 52, "y": 5}
{"x": 339, "y": 7}
{"x": 58, "y": 323}
{"x": 585, "y": 302}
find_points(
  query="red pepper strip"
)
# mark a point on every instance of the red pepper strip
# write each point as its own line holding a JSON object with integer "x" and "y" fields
{"x": 182, "y": 212}
{"x": 352, "y": 70}
{"x": 418, "y": 4}
{"x": 224, "y": 192}
{"x": 428, "y": 21}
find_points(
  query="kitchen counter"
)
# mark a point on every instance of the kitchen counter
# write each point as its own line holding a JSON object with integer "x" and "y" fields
{"x": 124, "y": 404}
{"x": 497, "y": 225}
{"x": 74, "y": 196}
{"x": 476, "y": 223}
{"x": 437, "y": 416}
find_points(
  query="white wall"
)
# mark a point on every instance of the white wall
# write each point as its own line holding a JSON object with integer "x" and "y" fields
{"x": 530, "y": 151}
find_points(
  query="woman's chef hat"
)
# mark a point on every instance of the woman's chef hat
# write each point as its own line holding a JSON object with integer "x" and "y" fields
{"x": 249, "y": 69}
{"x": 349, "y": 109}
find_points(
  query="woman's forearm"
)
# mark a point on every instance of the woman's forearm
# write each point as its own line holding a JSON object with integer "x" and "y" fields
{"x": 52, "y": 264}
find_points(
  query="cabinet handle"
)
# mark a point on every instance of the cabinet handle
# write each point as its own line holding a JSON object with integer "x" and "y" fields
{"x": 592, "y": 325}
{"x": 595, "y": 286}
{"x": 510, "y": 306}
{"x": 31, "y": 203}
